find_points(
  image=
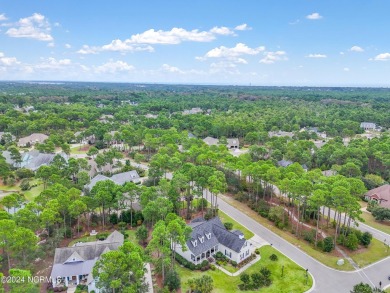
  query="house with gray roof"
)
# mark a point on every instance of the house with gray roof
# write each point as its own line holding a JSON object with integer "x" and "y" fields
{"x": 209, "y": 237}
{"x": 368, "y": 125}
{"x": 119, "y": 179}
{"x": 73, "y": 265}
{"x": 233, "y": 143}
{"x": 32, "y": 139}
{"x": 285, "y": 163}
{"x": 34, "y": 159}
{"x": 211, "y": 140}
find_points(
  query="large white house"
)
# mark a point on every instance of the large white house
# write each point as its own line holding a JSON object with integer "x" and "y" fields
{"x": 73, "y": 265}
{"x": 209, "y": 237}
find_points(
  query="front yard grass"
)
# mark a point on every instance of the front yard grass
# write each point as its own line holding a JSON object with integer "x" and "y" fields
{"x": 131, "y": 237}
{"x": 325, "y": 258}
{"x": 293, "y": 280}
{"x": 236, "y": 226}
{"x": 35, "y": 191}
{"x": 370, "y": 221}
{"x": 377, "y": 251}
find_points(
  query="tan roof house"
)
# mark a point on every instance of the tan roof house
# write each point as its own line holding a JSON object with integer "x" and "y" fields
{"x": 32, "y": 139}
{"x": 381, "y": 195}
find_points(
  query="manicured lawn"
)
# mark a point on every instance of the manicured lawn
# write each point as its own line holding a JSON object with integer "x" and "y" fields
{"x": 325, "y": 258}
{"x": 370, "y": 221}
{"x": 77, "y": 151}
{"x": 387, "y": 290}
{"x": 131, "y": 238}
{"x": 83, "y": 239}
{"x": 376, "y": 252}
{"x": 236, "y": 226}
{"x": 33, "y": 192}
{"x": 294, "y": 279}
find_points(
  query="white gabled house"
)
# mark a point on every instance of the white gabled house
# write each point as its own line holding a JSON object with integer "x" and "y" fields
{"x": 209, "y": 237}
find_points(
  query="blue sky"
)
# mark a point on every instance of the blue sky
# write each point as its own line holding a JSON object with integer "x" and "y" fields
{"x": 258, "y": 42}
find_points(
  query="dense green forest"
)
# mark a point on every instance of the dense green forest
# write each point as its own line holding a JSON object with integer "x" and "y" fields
{"x": 319, "y": 131}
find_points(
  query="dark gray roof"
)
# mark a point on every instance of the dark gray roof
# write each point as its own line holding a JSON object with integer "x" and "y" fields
{"x": 219, "y": 235}
{"x": 237, "y": 232}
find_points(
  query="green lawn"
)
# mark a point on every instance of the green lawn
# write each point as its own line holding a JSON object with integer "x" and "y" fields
{"x": 131, "y": 238}
{"x": 325, "y": 258}
{"x": 76, "y": 150}
{"x": 236, "y": 226}
{"x": 33, "y": 192}
{"x": 370, "y": 221}
{"x": 377, "y": 250}
{"x": 294, "y": 279}
{"x": 387, "y": 290}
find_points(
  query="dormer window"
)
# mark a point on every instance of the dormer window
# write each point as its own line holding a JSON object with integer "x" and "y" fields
{"x": 194, "y": 242}
{"x": 208, "y": 235}
{"x": 201, "y": 239}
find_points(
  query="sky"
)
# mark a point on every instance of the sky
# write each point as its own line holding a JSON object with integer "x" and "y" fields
{"x": 246, "y": 42}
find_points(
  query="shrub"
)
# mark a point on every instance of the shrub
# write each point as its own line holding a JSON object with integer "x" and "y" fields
{"x": 25, "y": 184}
{"x": 102, "y": 236}
{"x": 234, "y": 263}
{"x": 328, "y": 244}
{"x": 352, "y": 242}
{"x": 366, "y": 238}
{"x": 273, "y": 257}
{"x": 172, "y": 280}
{"x": 228, "y": 225}
{"x": 212, "y": 267}
{"x": 320, "y": 244}
{"x": 114, "y": 219}
{"x": 309, "y": 236}
{"x": 122, "y": 225}
{"x": 257, "y": 250}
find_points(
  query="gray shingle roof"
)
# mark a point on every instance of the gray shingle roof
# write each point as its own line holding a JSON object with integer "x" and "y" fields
{"x": 120, "y": 178}
{"x": 219, "y": 235}
{"x": 85, "y": 256}
{"x": 284, "y": 163}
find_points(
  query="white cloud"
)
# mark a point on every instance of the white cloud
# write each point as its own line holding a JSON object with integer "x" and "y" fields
{"x": 7, "y": 61}
{"x": 272, "y": 57}
{"x": 115, "y": 67}
{"x": 3, "y": 17}
{"x": 143, "y": 41}
{"x": 32, "y": 27}
{"x": 51, "y": 45}
{"x": 243, "y": 27}
{"x": 316, "y": 56}
{"x": 87, "y": 50}
{"x": 223, "y": 30}
{"x": 68, "y": 46}
{"x": 342, "y": 53}
{"x": 356, "y": 49}
{"x": 346, "y": 69}
{"x": 314, "y": 16}
{"x": 238, "y": 50}
{"x": 171, "y": 69}
{"x": 124, "y": 46}
{"x": 381, "y": 57}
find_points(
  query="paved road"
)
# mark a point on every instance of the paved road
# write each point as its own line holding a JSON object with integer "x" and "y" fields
{"x": 327, "y": 280}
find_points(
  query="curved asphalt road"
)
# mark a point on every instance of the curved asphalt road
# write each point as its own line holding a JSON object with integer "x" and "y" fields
{"x": 326, "y": 280}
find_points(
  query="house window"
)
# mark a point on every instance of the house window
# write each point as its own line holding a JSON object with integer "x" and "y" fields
{"x": 192, "y": 257}
{"x": 201, "y": 239}
{"x": 208, "y": 235}
{"x": 194, "y": 242}
{"x": 247, "y": 252}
